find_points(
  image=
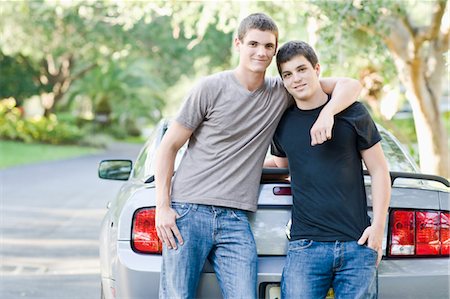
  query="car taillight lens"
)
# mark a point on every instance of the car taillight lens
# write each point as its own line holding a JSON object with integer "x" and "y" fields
{"x": 418, "y": 233}
{"x": 427, "y": 233}
{"x": 445, "y": 233}
{"x": 282, "y": 191}
{"x": 144, "y": 238}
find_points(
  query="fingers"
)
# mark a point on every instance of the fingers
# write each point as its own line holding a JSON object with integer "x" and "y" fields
{"x": 319, "y": 136}
{"x": 321, "y": 131}
{"x": 166, "y": 237}
{"x": 328, "y": 133}
{"x": 364, "y": 237}
{"x": 177, "y": 234}
{"x": 168, "y": 234}
{"x": 167, "y": 229}
{"x": 380, "y": 255}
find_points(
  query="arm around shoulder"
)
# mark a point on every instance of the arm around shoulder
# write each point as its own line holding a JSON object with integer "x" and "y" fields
{"x": 344, "y": 92}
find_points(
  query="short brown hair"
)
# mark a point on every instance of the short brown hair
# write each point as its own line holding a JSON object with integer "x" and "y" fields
{"x": 258, "y": 21}
{"x": 296, "y": 48}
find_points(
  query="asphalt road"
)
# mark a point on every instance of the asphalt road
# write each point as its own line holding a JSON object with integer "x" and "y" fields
{"x": 49, "y": 225}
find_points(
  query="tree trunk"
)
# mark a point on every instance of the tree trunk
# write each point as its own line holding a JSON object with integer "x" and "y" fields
{"x": 424, "y": 96}
{"x": 433, "y": 146}
{"x": 420, "y": 66}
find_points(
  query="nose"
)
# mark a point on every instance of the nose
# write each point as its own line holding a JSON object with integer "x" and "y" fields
{"x": 262, "y": 51}
{"x": 297, "y": 76}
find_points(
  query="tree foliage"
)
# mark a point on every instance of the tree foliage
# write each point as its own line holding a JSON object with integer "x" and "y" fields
{"x": 416, "y": 36}
{"x": 127, "y": 58}
{"x": 122, "y": 55}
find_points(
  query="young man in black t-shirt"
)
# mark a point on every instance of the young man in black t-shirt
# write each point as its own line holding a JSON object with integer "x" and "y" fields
{"x": 333, "y": 243}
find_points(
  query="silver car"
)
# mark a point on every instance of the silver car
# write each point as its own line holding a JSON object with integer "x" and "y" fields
{"x": 415, "y": 248}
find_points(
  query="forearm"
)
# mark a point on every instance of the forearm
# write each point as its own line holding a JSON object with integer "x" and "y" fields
{"x": 344, "y": 91}
{"x": 165, "y": 160}
{"x": 381, "y": 194}
{"x": 270, "y": 163}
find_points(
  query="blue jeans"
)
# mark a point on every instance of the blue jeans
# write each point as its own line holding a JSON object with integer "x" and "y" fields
{"x": 312, "y": 267}
{"x": 221, "y": 235}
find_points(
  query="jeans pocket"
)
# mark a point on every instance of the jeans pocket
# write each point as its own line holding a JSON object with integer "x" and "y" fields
{"x": 300, "y": 244}
{"x": 371, "y": 249}
{"x": 239, "y": 215}
{"x": 182, "y": 209}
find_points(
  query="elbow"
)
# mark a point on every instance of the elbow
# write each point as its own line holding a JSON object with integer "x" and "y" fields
{"x": 354, "y": 85}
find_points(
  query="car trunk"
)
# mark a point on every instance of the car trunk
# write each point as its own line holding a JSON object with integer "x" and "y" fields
{"x": 274, "y": 212}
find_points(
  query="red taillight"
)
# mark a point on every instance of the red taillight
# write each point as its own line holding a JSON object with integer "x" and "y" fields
{"x": 144, "y": 237}
{"x": 402, "y": 233}
{"x": 419, "y": 233}
{"x": 282, "y": 191}
{"x": 427, "y": 233}
{"x": 445, "y": 233}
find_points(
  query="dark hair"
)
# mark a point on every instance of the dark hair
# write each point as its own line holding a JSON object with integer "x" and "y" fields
{"x": 258, "y": 21}
{"x": 296, "y": 48}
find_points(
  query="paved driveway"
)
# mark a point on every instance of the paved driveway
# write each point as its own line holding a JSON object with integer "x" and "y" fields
{"x": 49, "y": 224}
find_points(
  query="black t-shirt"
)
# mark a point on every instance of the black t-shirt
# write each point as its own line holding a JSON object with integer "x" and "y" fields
{"x": 327, "y": 180}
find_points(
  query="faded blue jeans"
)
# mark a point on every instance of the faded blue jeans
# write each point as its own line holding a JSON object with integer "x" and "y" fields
{"x": 311, "y": 268}
{"x": 221, "y": 235}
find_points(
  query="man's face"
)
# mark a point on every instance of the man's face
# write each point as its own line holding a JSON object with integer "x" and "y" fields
{"x": 300, "y": 78}
{"x": 256, "y": 50}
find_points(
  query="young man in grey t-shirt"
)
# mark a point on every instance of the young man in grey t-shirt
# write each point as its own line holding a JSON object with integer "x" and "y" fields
{"x": 229, "y": 119}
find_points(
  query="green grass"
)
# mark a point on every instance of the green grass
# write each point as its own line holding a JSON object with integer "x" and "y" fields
{"x": 14, "y": 153}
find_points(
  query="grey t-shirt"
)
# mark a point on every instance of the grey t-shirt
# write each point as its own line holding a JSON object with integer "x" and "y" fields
{"x": 232, "y": 129}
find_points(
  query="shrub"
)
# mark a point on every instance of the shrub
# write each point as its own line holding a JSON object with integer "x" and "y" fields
{"x": 14, "y": 126}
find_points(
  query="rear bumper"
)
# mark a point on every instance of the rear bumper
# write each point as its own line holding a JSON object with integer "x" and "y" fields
{"x": 137, "y": 276}
{"x": 414, "y": 278}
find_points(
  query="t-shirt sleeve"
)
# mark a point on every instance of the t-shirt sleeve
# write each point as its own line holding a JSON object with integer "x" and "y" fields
{"x": 276, "y": 149}
{"x": 195, "y": 107}
{"x": 367, "y": 132}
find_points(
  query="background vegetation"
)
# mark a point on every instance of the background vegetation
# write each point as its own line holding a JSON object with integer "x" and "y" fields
{"x": 75, "y": 71}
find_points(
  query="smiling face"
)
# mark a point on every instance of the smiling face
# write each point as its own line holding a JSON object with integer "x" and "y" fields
{"x": 300, "y": 78}
{"x": 256, "y": 50}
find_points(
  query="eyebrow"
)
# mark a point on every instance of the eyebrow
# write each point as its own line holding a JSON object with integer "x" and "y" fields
{"x": 254, "y": 41}
{"x": 297, "y": 67}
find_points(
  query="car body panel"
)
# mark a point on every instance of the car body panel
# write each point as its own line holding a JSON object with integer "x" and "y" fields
{"x": 128, "y": 274}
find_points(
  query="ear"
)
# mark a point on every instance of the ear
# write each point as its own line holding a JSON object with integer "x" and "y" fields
{"x": 237, "y": 43}
{"x": 317, "y": 69}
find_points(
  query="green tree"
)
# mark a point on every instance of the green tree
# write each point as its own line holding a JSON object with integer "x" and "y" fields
{"x": 416, "y": 37}
{"x": 19, "y": 78}
{"x": 68, "y": 41}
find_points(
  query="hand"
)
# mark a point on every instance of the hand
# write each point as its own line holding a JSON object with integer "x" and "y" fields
{"x": 166, "y": 226}
{"x": 374, "y": 240}
{"x": 322, "y": 127}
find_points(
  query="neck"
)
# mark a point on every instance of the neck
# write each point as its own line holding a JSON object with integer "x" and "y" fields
{"x": 318, "y": 99}
{"x": 250, "y": 80}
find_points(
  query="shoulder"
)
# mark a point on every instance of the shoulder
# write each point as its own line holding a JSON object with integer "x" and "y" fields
{"x": 210, "y": 85}
{"x": 355, "y": 110}
{"x": 217, "y": 79}
{"x": 278, "y": 93}
{"x": 275, "y": 83}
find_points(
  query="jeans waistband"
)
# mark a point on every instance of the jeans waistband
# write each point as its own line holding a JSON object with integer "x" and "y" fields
{"x": 208, "y": 208}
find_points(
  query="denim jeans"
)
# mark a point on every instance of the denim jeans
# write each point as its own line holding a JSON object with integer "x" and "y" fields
{"x": 312, "y": 267}
{"x": 221, "y": 235}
